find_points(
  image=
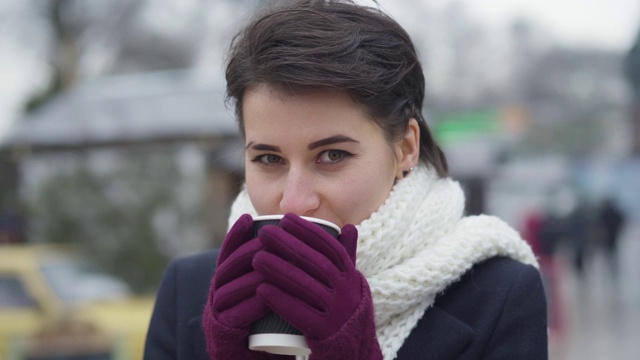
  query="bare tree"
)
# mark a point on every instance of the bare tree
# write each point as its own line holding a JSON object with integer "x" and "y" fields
{"x": 632, "y": 74}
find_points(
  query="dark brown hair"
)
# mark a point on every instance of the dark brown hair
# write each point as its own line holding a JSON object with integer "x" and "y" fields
{"x": 305, "y": 45}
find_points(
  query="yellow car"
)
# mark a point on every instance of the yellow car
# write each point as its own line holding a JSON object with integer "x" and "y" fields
{"x": 54, "y": 306}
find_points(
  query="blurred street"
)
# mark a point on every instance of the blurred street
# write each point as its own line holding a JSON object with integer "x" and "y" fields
{"x": 601, "y": 312}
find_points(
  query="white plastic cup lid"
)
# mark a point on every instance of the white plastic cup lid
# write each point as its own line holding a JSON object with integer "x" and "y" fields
{"x": 308, "y": 218}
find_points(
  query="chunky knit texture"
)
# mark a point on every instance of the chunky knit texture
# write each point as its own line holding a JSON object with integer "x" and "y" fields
{"x": 416, "y": 245}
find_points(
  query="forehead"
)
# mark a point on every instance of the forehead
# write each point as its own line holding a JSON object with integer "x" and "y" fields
{"x": 280, "y": 93}
{"x": 268, "y": 104}
{"x": 276, "y": 117}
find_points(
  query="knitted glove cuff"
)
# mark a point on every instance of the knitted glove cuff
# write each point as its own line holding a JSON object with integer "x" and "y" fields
{"x": 356, "y": 340}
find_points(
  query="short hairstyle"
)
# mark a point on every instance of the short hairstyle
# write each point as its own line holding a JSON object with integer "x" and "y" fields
{"x": 298, "y": 46}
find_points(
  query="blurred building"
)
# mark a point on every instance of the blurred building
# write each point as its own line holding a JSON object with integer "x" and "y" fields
{"x": 563, "y": 120}
{"x": 177, "y": 115}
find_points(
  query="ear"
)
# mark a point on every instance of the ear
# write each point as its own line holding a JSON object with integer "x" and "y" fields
{"x": 408, "y": 148}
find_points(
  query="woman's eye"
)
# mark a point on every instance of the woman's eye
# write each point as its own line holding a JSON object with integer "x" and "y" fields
{"x": 268, "y": 159}
{"x": 333, "y": 156}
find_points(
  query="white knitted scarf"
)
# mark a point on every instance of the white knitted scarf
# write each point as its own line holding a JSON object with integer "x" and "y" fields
{"x": 416, "y": 245}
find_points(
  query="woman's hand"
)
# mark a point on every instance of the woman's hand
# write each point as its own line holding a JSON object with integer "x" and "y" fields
{"x": 310, "y": 279}
{"x": 232, "y": 304}
{"x": 233, "y": 296}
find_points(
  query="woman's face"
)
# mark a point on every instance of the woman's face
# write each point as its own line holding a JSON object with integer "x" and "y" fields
{"x": 317, "y": 155}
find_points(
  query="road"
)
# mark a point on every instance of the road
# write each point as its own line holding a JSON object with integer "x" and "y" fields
{"x": 599, "y": 312}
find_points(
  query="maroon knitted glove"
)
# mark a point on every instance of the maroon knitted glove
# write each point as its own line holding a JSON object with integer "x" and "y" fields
{"x": 232, "y": 304}
{"x": 310, "y": 279}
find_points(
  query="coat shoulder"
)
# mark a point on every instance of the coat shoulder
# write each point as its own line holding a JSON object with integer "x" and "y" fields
{"x": 200, "y": 262}
{"x": 487, "y": 301}
{"x": 174, "y": 330}
{"x": 482, "y": 295}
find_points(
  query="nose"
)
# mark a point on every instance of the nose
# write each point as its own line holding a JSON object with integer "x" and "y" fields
{"x": 299, "y": 193}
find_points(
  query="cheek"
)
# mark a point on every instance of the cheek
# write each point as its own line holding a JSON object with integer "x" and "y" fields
{"x": 261, "y": 195}
{"x": 359, "y": 199}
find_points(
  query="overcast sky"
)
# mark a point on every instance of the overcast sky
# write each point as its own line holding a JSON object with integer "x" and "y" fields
{"x": 610, "y": 24}
{"x": 604, "y": 23}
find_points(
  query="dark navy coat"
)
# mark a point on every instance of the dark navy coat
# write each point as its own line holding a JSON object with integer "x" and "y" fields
{"x": 497, "y": 310}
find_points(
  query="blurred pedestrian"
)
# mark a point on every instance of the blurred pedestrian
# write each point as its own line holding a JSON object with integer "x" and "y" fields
{"x": 544, "y": 231}
{"x": 579, "y": 232}
{"x": 611, "y": 220}
{"x": 11, "y": 228}
{"x": 532, "y": 228}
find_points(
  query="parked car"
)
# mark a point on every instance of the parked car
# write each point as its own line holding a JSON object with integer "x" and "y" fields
{"x": 54, "y": 305}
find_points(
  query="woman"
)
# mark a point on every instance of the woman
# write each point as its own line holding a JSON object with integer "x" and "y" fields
{"x": 329, "y": 96}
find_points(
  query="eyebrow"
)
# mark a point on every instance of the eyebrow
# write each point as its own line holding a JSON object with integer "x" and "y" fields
{"x": 336, "y": 139}
{"x": 262, "y": 147}
{"x": 316, "y": 144}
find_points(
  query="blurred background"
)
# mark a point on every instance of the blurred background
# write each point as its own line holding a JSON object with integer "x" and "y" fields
{"x": 117, "y": 154}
